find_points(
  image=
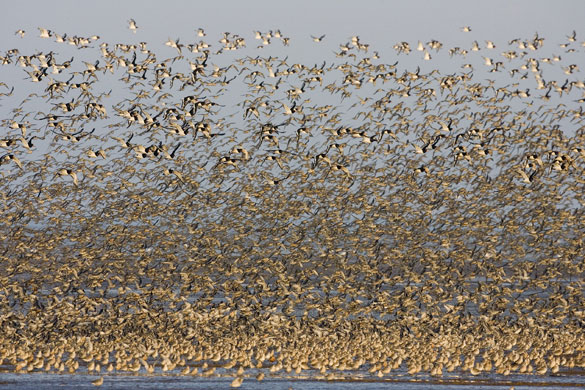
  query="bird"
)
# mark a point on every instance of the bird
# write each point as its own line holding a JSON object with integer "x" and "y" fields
{"x": 44, "y": 33}
{"x": 245, "y": 213}
{"x": 98, "y": 382}
{"x": 132, "y": 25}
{"x": 525, "y": 177}
{"x": 68, "y": 172}
{"x": 11, "y": 157}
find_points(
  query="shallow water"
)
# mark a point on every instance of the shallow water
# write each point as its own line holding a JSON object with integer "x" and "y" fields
{"x": 65, "y": 381}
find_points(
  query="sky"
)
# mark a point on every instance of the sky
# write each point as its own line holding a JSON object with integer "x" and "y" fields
{"x": 381, "y": 23}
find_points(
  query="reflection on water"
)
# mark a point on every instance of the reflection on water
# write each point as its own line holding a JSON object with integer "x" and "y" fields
{"x": 305, "y": 382}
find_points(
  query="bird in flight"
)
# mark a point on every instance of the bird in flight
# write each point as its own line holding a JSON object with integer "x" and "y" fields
{"x": 132, "y": 25}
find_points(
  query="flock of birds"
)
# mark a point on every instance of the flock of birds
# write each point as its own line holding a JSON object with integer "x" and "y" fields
{"x": 215, "y": 213}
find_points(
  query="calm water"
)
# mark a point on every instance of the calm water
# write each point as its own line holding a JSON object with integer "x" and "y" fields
{"x": 58, "y": 381}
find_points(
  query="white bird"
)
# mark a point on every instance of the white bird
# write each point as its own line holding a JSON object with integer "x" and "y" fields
{"x": 525, "y": 178}
{"x": 132, "y": 25}
{"x": 68, "y": 172}
{"x": 45, "y": 33}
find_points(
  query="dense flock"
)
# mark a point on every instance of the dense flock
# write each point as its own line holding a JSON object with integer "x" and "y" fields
{"x": 200, "y": 208}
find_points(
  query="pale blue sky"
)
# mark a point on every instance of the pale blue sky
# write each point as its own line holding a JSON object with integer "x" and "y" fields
{"x": 381, "y": 23}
